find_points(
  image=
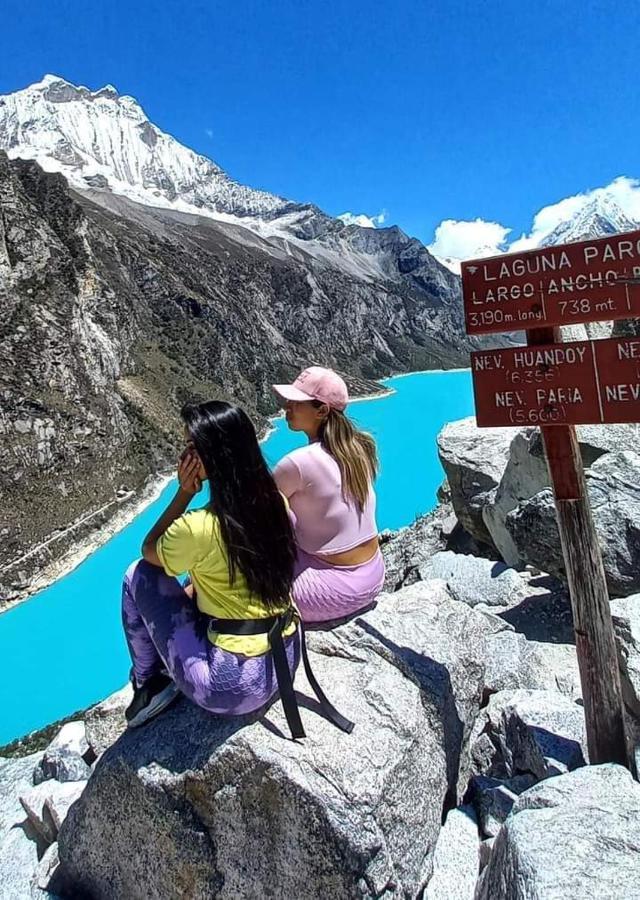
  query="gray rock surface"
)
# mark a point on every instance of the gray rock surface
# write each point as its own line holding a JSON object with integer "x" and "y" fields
{"x": 524, "y": 475}
{"x": 472, "y": 580}
{"x": 18, "y": 843}
{"x": 455, "y": 861}
{"x": 71, "y": 738}
{"x": 625, "y": 614}
{"x": 507, "y": 482}
{"x": 530, "y": 732}
{"x": 18, "y": 862}
{"x": 613, "y": 483}
{"x": 16, "y": 775}
{"x": 614, "y": 490}
{"x": 47, "y": 804}
{"x": 486, "y": 849}
{"x": 545, "y": 614}
{"x": 408, "y": 548}
{"x": 514, "y": 662}
{"x": 62, "y": 766}
{"x": 575, "y": 835}
{"x": 493, "y": 799}
{"x": 473, "y": 460}
{"x": 105, "y": 722}
{"x": 41, "y": 879}
{"x": 533, "y": 529}
{"x": 437, "y": 640}
{"x": 408, "y": 552}
{"x": 33, "y": 803}
{"x": 334, "y": 815}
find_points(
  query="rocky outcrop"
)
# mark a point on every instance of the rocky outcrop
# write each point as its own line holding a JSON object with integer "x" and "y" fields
{"x": 516, "y": 514}
{"x": 47, "y": 805}
{"x": 473, "y": 461}
{"x": 515, "y": 662}
{"x": 472, "y": 581}
{"x": 19, "y": 845}
{"x": 613, "y": 483}
{"x": 493, "y": 800}
{"x": 408, "y": 552}
{"x": 337, "y": 815}
{"x": 65, "y": 759}
{"x": 625, "y": 614}
{"x": 105, "y": 722}
{"x": 35, "y": 797}
{"x": 571, "y": 836}
{"x": 459, "y": 714}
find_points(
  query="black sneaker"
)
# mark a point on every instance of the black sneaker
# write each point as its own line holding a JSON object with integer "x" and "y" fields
{"x": 150, "y": 699}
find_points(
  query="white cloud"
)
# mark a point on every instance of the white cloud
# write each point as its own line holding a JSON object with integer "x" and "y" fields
{"x": 468, "y": 240}
{"x": 209, "y": 132}
{"x": 458, "y": 240}
{"x": 364, "y": 221}
{"x": 625, "y": 192}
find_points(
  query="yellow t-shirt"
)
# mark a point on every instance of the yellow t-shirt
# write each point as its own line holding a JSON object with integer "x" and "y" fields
{"x": 193, "y": 544}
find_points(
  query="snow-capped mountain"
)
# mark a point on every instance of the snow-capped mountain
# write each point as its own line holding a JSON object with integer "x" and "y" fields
{"x": 104, "y": 144}
{"x": 599, "y": 216}
{"x": 103, "y": 140}
{"x": 596, "y": 213}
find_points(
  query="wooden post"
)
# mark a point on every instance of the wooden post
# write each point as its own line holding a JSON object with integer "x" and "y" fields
{"x": 595, "y": 644}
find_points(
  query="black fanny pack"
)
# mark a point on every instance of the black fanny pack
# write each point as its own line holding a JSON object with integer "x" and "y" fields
{"x": 274, "y": 627}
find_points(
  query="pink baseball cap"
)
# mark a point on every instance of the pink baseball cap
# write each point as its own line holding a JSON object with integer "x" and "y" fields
{"x": 316, "y": 383}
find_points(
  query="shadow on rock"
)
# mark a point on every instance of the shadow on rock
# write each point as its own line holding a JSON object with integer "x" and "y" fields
{"x": 544, "y": 617}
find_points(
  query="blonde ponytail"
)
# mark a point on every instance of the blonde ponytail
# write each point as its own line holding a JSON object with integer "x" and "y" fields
{"x": 354, "y": 451}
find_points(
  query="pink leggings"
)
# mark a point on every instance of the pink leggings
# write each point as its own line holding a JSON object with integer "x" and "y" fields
{"x": 323, "y": 592}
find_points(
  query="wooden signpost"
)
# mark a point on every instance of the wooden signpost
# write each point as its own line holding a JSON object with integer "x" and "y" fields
{"x": 556, "y": 386}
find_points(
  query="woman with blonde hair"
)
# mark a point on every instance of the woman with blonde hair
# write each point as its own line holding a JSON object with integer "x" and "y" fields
{"x": 339, "y": 569}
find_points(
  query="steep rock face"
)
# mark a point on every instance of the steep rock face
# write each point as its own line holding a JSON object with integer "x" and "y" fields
{"x": 114, "y": 315}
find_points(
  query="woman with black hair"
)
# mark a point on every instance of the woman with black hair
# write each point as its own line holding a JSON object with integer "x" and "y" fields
{"x": 229, "y": 640}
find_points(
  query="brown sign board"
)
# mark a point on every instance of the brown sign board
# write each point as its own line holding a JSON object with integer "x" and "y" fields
{"x": 578, "y": 383}
{"x": 590, "y": 281}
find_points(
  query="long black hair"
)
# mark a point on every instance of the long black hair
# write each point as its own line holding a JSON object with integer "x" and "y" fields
{"x": 254, "y": 523}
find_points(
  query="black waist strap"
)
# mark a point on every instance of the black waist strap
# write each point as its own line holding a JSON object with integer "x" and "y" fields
{"x": 274, "y": 627}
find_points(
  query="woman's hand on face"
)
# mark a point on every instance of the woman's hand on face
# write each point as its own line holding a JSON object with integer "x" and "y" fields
{"x": 189, "y": 471}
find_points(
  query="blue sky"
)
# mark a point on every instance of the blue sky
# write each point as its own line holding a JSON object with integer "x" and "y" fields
{"x": 425, "y": 110}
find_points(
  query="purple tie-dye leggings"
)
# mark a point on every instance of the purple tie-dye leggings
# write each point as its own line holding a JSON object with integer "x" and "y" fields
{"x": 165, "y": 629}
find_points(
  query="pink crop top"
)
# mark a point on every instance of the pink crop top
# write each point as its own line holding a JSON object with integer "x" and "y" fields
{"x": 323, "y": 521}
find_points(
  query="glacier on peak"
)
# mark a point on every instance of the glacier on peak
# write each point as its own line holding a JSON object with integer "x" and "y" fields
{"x": 102, "y": 137}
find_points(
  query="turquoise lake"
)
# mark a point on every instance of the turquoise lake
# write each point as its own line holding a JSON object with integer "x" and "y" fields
{"x": 63, "y": 649}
